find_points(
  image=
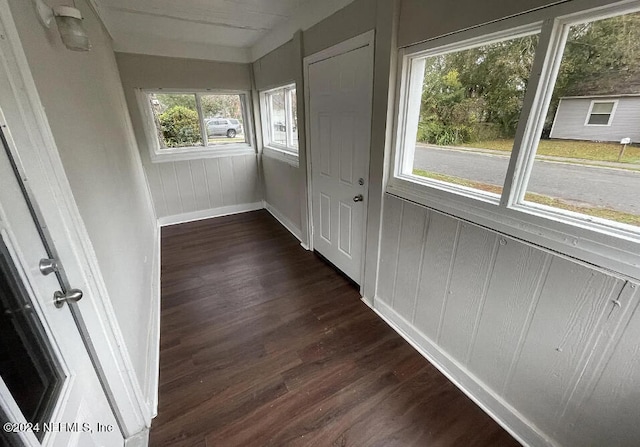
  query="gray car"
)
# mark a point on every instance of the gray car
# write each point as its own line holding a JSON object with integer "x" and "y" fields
{"x": 223, "y": 126}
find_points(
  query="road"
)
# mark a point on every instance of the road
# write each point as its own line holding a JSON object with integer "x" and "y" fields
{"x": 577, "y": 184}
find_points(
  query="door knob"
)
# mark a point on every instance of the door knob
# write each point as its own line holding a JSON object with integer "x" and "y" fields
{"x": 73, "y": 295}
{"x": 358, "y": 198}
{"x": 48, "y": 266}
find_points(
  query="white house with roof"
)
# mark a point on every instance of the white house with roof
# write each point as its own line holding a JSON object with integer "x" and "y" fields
{"x": 598, "y": 118}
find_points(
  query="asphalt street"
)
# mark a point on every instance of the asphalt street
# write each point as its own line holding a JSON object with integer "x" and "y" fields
{"x": 577, "y": 184}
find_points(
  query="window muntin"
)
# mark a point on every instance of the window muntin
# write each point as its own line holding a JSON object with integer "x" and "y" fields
{"x": 598, "y": 240}
{"x": 601, "y": 113}
{"x": 470, "y": 104}
{"x": 197, "y": 121}
{"x": 600, "y": 57}
{"x": 280, "y": 126}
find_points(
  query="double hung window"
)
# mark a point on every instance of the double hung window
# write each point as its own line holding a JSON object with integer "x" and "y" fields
{"x": 280, "y": 119}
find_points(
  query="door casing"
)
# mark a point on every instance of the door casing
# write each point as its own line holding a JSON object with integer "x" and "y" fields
{"x": 35, "y": 147}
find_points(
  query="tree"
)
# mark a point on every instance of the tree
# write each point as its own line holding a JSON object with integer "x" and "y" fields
{"x": 180, "y": 127}
{"x": 477, "y": 93}
{"x": 226, "y": 106}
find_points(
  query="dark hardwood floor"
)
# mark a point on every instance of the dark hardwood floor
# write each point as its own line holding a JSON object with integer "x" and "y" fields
{"x": 263, "y": 344}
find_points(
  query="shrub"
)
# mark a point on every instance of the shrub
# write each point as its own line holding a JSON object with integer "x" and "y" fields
{"x": 445, "y": 135}
{"x": 180, "y": 127}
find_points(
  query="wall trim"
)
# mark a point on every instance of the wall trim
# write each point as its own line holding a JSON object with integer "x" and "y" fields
{"x": 152, "y": 376}
{"x": 284, "y": 220}
{"x": 140, "y": 439}
{"x": 504, "y": 414}
{"x": 209, "y": 213}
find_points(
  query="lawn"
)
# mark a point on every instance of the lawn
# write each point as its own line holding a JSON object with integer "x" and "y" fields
{"x": 583, "y": 150}
{"x": 225, "y": 140}
{"x": 604, "y": 213}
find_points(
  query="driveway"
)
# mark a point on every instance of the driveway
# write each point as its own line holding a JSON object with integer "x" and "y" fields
{"x": 577, "y": 184}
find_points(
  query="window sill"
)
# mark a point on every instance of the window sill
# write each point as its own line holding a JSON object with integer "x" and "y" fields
{"x": 582, "y": 239}
{"x": 282, "y": 155}
{"x": 196, "y": 153}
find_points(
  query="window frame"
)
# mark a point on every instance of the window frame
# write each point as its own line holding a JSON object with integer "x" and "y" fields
{"x": 590, "y": 239}
{"x": 601, "y": 101}
{"x": 159, "y": 155}
{"x": 284, "y": 152}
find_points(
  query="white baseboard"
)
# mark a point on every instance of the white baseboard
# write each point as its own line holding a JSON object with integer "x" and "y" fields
{"x": 492, "y": 404}
{"x": 209, "y": 213}
{"x": 293, "y": 229}
{"x": 153, "y": 342}
{"x": 140, "y": 439}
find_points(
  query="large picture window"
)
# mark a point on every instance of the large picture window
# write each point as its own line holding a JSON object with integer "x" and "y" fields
{"x": 196, "y": 123}
{"x": 532, "y": 130}
{"x": 280, "y": 118}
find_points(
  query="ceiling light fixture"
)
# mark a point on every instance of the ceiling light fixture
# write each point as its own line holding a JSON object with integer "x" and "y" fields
{"x": 69, "y": 21}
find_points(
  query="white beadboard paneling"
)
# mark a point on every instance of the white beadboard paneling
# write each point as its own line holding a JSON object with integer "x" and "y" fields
{"x": 474, "y": 259}
{"x": 170, "y": 185}
{"x": 609, "y": 413}
{"x": 536, "y": 338}
{"x": 573, "y": 302}
{"x": 439, "y": 252}
{"x": 412, "y": 228}
{"x": 389, "y": 248}
{"x": 186, "y": 189}
{"x": 200, "y": 183}
{"x": 513, "y": 289}
{"x": 213, "y": 182}
{"x": 243, "y": 186}
{"x": 227, "y": 181}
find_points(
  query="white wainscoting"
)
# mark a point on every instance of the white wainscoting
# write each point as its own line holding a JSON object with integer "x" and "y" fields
{"x": 548, "y": 346}
{"x": 201, "y": 185}
{"x": 210, "y": 213}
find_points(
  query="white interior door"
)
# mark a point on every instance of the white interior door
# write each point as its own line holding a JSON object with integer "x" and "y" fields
{"x": 49, "y": 391}
{"x": 340, "y": 89}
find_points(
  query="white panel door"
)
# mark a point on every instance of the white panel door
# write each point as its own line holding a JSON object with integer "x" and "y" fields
{"x": 340, "y": 128}
{"x": 49, "y": 392}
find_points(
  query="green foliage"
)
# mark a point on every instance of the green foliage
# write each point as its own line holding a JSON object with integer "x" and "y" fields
{"x": 226, "y": 106}
{"x": 478, "y": 93}
{"x": 180, "y": 127}
{"x": 475, "y": 93}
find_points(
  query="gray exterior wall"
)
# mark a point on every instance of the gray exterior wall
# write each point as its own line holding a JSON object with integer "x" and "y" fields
{"x": 569, "y": 123}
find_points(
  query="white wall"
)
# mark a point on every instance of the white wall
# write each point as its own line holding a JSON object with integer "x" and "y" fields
{"x": 529, "y": 333}
{"x": 85, "y": 106}
{"x": 284, "y": 183}
{"x": 197, "y": 188}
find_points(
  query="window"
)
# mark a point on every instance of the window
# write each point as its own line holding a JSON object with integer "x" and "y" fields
{"x": 470, "y": 101}
{"x": 511, "y": 126}
{"x": 280, "y": 118}
{"x": 600, "y": 113}
{"x": 193, "y": 124}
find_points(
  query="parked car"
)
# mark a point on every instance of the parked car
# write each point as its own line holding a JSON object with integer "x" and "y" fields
{"x": 223, "y": 126}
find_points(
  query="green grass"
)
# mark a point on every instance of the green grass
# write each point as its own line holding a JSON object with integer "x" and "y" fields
{"x": 583, "y": 150}
{"x": 225, "y": 140}
{"x": 604, "y": 213}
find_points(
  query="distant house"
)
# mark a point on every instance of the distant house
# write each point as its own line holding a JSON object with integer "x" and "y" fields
{"x": 598, "y": 118}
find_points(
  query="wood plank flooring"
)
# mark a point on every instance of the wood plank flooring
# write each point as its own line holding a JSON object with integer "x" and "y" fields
{"x": 264, "y": 344}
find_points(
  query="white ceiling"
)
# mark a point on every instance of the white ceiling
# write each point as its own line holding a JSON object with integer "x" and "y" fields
{"x": 234, "y": 30}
